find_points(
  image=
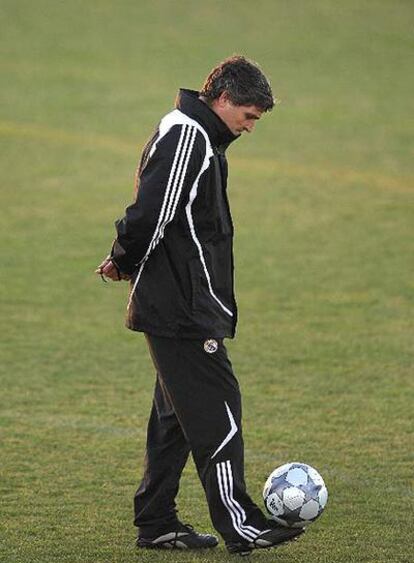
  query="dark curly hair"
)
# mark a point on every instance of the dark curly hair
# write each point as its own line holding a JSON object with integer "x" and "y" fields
{"x": 242, "y": 80}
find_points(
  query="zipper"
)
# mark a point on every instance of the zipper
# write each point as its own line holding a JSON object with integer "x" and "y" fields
{"x": 222, "y": 161}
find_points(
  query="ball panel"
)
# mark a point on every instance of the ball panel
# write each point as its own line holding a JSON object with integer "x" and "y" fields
{"x": 323, "y": 497}
{"x": 297, "y": 476}
{"x": 274, "y": 504}
{"x": 293, "y": 498}
{"x": 315, "y": 476}
{"x": 280, "y": 470}
{"x": 309, "y": 510}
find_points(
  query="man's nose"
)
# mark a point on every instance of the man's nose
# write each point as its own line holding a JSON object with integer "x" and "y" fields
{"x": 249, "y": 127}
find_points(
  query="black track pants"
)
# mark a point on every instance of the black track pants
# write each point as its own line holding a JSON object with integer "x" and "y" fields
{"x": 197, "y": 408}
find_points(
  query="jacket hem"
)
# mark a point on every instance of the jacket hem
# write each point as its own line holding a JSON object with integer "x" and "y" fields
{"x": 170, "y": 333}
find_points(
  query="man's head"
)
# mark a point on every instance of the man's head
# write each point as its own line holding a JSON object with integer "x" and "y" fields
{"x": 239, "y": 92}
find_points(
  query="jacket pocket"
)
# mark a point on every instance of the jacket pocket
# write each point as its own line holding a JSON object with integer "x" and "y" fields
{"x": 223, "y": 221}
{"x": 194, "y": 267}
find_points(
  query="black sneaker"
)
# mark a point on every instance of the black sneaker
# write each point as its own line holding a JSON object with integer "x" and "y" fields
{"x": 273, "y": 537}
{"x": 183, "y": 536}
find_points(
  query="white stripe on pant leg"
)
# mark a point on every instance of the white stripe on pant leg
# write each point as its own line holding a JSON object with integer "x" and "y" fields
{"x": 232, "y": 431}
{"x": 237, "y": 504}
{"x": 239, "y": 514}
{"x": 237, "y": 508}
{"x": 235, "y": 517}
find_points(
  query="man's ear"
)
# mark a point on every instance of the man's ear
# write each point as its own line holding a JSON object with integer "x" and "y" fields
{"x": 223, "y": 99}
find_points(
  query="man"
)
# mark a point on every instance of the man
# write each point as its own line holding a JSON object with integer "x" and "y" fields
{"x": 175, "y": 245}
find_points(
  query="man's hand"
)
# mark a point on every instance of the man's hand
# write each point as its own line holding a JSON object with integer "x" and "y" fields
{"x": 107, "y": 269}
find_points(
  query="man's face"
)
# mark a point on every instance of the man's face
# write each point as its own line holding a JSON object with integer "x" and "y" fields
{"x": 237, "y": 118}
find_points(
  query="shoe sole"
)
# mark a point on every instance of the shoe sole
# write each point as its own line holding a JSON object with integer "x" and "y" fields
{"x": 287, "y": 540}
{"x": 176, "y": 544}
{"x": 244, "y": 552}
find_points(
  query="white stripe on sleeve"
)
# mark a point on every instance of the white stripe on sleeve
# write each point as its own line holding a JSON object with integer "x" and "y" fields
{"x": 172, "y": 193}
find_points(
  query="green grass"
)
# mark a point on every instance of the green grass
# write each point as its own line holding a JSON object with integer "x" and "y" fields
{"x": 322, "y": 198}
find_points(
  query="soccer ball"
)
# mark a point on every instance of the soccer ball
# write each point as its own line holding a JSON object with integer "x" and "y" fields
{"x": 295, "y": 495}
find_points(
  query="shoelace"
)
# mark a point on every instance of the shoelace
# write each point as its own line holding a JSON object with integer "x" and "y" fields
{"x": 190, "y": 530}
{"x": 186, "y": 528}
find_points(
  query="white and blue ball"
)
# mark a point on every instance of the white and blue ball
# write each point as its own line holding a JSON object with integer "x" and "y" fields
{"x": 295, "y": 495}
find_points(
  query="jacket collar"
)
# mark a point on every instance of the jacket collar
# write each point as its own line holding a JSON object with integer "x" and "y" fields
{"x": 189, "y": 103}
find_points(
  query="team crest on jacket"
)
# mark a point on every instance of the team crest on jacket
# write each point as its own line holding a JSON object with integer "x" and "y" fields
{"x": 210, "y": 346}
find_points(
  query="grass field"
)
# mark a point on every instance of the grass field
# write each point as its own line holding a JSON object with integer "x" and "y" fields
{"x": 322, "y": 196}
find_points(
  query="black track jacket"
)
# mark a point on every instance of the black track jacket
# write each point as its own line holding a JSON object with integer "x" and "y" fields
{"x": 176, "y": 239}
